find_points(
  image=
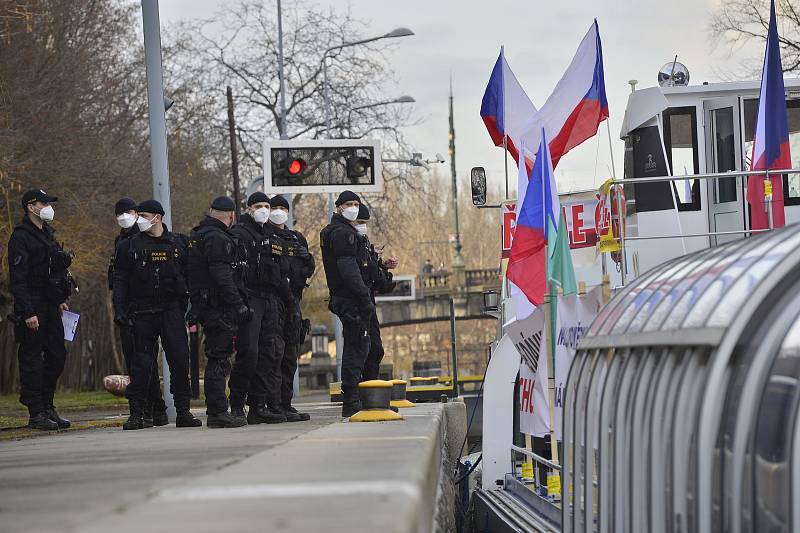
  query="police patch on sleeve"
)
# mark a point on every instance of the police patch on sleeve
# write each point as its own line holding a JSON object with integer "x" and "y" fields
{"x": 351, "y": 239}
{"x": 229, "y": 248}
{"x": 17, "y": 260}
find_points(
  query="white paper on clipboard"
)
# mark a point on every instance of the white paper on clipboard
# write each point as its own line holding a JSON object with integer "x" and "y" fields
{"x": 70, "y": 321}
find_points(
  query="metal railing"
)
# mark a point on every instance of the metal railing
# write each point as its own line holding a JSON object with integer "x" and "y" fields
{"x": 616, "y": 182}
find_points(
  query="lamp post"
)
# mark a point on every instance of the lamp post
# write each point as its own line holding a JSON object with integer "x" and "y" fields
{"x": 405, "y": 99}
{"x": 397, "y": 32}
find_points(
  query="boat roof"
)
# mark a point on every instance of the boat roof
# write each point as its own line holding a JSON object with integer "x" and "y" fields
{"x": 694, "y": 299}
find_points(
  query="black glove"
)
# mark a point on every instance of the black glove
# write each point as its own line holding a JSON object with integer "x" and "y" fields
{"x": 243, "y": 314}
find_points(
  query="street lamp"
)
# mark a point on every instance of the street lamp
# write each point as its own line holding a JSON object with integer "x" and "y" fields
{"x": 405, "y": 99}
{"x": 397, "y": 32}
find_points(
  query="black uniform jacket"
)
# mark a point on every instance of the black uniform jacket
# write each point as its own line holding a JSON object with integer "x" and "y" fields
{"x": 29, "y": 251}
{"x": 339, "y": 241}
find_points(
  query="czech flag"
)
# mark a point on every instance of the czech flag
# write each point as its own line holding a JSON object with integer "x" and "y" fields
{"x": 578, "y": 104}
{"x": 505, "y": 108}
{"x": 771, "y": 139}
{"x": 540, "y": 226}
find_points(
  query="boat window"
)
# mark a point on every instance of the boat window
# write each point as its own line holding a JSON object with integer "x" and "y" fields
{"x": 680, "y": 140}
{"x": 791, "y": 183}
{"x": 724, "y": 149}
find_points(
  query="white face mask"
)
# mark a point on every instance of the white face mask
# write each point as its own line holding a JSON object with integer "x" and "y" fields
{"x": 361, "y": 228}
{"x": 47, "y": 213}
{"x": 350, "y": 213}
{"x": 261, "y": 215}
{"x": 144, "y": 224}
{"x": 278, "y": 216}
{"x": 126, "y": 220}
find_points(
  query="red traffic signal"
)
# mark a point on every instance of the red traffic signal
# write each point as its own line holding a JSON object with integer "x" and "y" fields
{"x": 296, "y": 167}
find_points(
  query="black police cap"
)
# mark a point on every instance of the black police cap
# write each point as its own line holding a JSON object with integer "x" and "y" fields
{"x": 278, "y": 201}
{"x": 124, "y": 204}
{"x": 150, "y": 206}
{"x": 347, "y": 196}
{"x": 363, "y": 212}
{"x": 223, "y": 203}
{"x": 257, "y": 198}
{"x": 36, "y": 195}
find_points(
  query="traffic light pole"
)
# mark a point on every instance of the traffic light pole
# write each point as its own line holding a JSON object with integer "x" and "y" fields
{"x": 159, "y": 158}
{"x": 282, "y": 130}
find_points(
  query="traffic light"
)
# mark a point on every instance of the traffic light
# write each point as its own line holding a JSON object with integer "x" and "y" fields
{"x": 358, "y": 167}
{"x": 295, "y": 167}
{"x": 322, "y": 166}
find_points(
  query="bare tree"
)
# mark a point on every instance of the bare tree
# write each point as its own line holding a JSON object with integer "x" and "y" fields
{"x": 738, "y": 22}
{"x": 239, "y": 48}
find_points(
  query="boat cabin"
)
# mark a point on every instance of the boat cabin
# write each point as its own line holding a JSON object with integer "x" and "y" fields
{"x": 690, "y": 130}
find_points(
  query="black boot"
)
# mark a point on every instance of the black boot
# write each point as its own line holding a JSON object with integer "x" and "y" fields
{"x": 160, "y": 419}
{"x": 293, "y": 415}
{"x": 63, "y": 423}
{"x": 185, "y": 419}
{"x": 135, "y": 421}
{"x": 260, "y": 414}
{"x": 42, "y": 421}
{"x": 225, "y": 420}
{"x": 239, "y": 414}
{"x": 350, "y": 406}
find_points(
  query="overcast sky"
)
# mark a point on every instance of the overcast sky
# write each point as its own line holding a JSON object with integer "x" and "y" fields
{"x": 464, "y": 37}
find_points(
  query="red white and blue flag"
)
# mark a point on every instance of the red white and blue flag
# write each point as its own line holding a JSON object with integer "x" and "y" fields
{"x": 506, "y": 108}
{"x": 540, "y": 226}
{"x": 578, "y": 104}
{"x": 771, "y": 138}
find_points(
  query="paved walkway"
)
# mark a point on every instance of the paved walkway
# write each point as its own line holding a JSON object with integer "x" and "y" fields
{"x": 321, "y": 475}
{"x": 67, "y": 481}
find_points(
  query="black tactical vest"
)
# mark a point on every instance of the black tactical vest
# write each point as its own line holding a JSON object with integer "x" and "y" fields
{"x": 157, "y": 269}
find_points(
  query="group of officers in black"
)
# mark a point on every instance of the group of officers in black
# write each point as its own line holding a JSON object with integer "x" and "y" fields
{"x": 242, "y": 281}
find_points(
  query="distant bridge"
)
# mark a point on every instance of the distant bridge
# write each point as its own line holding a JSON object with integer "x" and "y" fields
{"x": 426, "y": 298}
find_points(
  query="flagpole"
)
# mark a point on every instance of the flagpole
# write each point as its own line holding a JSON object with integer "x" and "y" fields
{"x": 505, "y": 135}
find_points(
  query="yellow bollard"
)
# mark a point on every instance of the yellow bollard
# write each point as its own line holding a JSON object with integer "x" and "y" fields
{"x": 399, "y": 394}
{"x": 376, "y": 396}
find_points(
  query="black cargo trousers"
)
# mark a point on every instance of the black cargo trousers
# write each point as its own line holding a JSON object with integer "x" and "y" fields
{"x": 294, "y": 333}
{"x": 372, "y": 366}
{"x": 355, "y": 329}
{"x": 219, "y": 331}
{"x": 155, "y": 403}
{"x": 164, "y": 321}
{"x": 41, "y": 356}
{"x": 259, "y": 345}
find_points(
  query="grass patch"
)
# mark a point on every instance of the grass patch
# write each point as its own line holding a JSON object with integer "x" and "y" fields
{"x": 67, "y": 401}
{"x": 25, "y": 432}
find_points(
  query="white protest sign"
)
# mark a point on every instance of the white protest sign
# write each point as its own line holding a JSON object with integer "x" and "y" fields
{"x": 573, "y": 317}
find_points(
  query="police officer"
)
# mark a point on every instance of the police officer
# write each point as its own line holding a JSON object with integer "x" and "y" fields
{"x": 258, "y": 342}
{"x": 218, "y": 300}
{"x": 150, "y": 297}
{"x": 40, "y": 284}
{"x": 301, "y": 267}
{"x": 350, "y": 298}
{"x": 156, "y": 409}
{"x": 377, "y": 276}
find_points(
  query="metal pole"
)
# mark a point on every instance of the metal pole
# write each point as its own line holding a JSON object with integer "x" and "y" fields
{"x": 282, "y": 130}
{"x": 453, "y": 347}
{"x": 159, "y": 158}
{"x": 338, "y": 332}
{"x": 768, "y": 198}
{"x": 234, "y": 152}
{"x": 621, "y": 220}
{"x": 458, "y": 260}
